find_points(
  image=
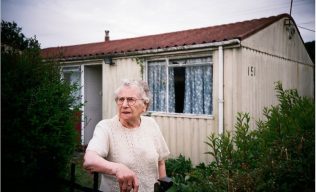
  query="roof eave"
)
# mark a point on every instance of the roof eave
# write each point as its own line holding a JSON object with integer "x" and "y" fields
{"x": 231, "y": 42}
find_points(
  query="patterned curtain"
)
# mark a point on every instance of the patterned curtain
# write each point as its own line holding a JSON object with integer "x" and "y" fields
{"x": 198, "y": 89}
{"x": 208, "y": 85}
{"x": 171, "y": 95}
{"x": 157, "y": 78}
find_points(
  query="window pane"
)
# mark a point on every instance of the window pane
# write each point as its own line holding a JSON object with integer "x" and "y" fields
{"x": 208, "y": 89}
{"x": 157, "y": 82}
{"x": 189, "y": 85}
{"x": 198, "y": 90}
{"x": 72, "y": 75}
{"x": 176, "y": 89}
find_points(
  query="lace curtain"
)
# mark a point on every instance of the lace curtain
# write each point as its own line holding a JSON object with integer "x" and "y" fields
{"x": 157, "y": 78}
{"x": 198, "y": 90}
{"x": 171, "y": 93}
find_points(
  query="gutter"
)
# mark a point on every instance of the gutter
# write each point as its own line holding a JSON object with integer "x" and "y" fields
{"x": 186, "y": 47}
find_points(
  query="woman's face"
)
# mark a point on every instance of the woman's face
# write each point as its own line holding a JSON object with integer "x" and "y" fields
{"x": 130, "y": 112}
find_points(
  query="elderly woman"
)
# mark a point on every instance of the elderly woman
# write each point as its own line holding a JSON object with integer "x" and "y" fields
{"x": 129, "y": 149}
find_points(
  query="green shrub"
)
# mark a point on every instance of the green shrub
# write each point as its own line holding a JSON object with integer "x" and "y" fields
{"x": 38, "y": 135}
{"x": 277, "y": 155}
{"x": 178, "y": 166}
{"x": 236, "y": 157}
{"x": 179, "y": 169}
{"x": 288, "y": 135}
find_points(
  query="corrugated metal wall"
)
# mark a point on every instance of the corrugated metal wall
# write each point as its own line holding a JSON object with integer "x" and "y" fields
{"x": 259, "y": 73}
{"x": 251, "y": 71}
{"x": 186, "y": 135}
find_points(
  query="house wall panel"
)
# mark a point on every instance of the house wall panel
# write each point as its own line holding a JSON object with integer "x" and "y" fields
{"x": 186, "y": 136}
{"x": 306, "y": 77}
{"x": 231, "y": 90}
{"x": 276, "y": 58}
{"x": 274, "y": 39}
{"x": 258, "y": 90}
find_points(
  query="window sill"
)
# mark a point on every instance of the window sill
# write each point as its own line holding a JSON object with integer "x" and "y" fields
{"x": 178, "y": 115}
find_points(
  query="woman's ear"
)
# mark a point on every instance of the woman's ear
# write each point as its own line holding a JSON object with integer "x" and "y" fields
{"x": 146, "y": 107}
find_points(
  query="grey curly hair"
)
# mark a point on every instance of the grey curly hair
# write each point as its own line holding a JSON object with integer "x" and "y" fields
{"x": 140, "y": 84}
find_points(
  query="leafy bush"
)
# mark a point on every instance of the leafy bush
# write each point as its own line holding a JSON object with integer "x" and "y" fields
{"x": 179, "y": 168}
{"x": 288, "y": 143}
{"x": 277, "y": 155}
{"x": 38, "y": 135}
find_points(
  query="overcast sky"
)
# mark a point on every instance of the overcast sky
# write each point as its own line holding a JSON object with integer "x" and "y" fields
{"x": 70, "y": 22}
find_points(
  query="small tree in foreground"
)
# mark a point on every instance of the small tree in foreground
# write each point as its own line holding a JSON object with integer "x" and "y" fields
{"x": 38, "y": 135}
{"x": 278, "y": 155}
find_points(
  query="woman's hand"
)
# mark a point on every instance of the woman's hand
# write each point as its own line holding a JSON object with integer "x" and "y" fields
{"x": 127, "y": 178}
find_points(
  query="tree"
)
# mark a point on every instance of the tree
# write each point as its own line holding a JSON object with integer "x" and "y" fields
{"x": 38, "y": 135}
{"x": 12, "y": 36}
{"x": 310, "y": 47}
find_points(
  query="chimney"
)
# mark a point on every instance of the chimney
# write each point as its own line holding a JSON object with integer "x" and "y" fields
{"x": 107, "y": 37}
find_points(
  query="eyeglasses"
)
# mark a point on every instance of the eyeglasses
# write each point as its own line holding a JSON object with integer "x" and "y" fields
{"x": 130, "y": 100}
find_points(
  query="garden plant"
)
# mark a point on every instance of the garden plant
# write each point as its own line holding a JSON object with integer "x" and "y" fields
{"x": 276, "y": 155}
{"x": 38, "y": 135}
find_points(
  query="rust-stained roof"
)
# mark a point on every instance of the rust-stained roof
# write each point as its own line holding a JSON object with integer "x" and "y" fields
{"x": 239, "y": 30}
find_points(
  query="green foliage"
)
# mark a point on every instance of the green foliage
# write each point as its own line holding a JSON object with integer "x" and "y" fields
{"x": 289, "y": 143}
{"x": 140, "y": 62}
{"x": 277, "y": 155}
{"x": 12, "y": 36}
{"x": 179, "y": 168}
{"x": 38, "y": 135}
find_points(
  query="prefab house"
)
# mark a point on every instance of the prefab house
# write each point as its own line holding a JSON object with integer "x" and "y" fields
{"x": 199, "y": 78}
